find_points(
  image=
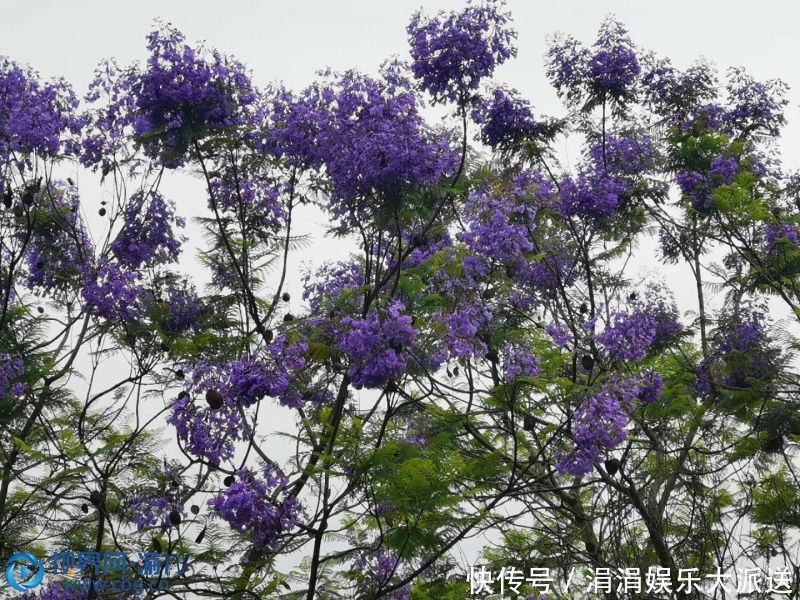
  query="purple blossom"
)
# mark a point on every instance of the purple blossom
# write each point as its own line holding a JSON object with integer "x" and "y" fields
{"x": 256, "y": 201}
{"x": 561, "y": 337}
{"x": 629, "y": 336}
{"x": 600, "y": 424}
{"x": 154, "y": 511}
{"x": 505, "y": 119}
{"x": 613, "y": 66}
{"x": 500, "y": 224}
{"x": 259, "y": 506}
{"x": 35, "y": 116}
{"x": 147, "y": 236}
{"x": 114, "y": 294}
{"x": 378, "y": 347}
{"x": 754, "y": 104}
{"x": 607, "y": 71}
{"x": 60, "y": 248}
{"x": 56, "y": 591}
{"x": 518, "y": 361}
{"x": 452, "y": 53}
{"x": 783, "y": 233}
{"x": 11, "y": 369}
{"x": 186, "y": 94}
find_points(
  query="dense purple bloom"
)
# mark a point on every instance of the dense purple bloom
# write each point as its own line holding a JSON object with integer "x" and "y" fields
{"x": 681, "y": 96}
{"x": 629, "y": 336}
{"x": 754, "y": 104}
{"x": 561, "y": 337}
{"x": 613, "y": 66}
{"x": 784, "y": 231}
{"x": 378, "y": 346}
{"x": 500, "y": 223}
{"x": 113, "y": 293}
{"x": 453, "y": 52}
{"x": 607, "y": 71}
{"x": 600, "y": 424}
{"x": 185, "y": 94}
{"x": 183, "y": 310}
{"x": 11, "y": 369}
{"x": 254, "y": 201}
{"x": 366, "y": 132}
{"x": 518, "y": 361}
{"x": 35, "y": 116}
{"x": 699, "y": 188}
{"x": 60, "y": 248}
{"x": 377, "y": 140}
{"x": 744, "y": 357}
{"x": 147, "y": 236}
{"x": 506, "y": 118}
{"x": 259, "y": 506}
{"x": 56, "y": 591}
{"x": 330, "y": 283}
{"x": 463, "y": 326}
{"x": 650, "y": 389}
{"x": 206, "y": 432}
{"x": 592, "y": 197}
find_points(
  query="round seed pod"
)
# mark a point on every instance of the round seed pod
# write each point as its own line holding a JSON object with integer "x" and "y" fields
{"x": 286, "y": 297}
{"x": 85, "y": 508}
{"x": 612, "y": 466}
{"x": 229, "y": 481}
{"x": 175, "y": 518}
{"x": 195, "y": 509}
{"x": 96, "y": 498}
{"x": 102, "y": 212}
{"x": 288, "y": 317}
{"x": 214, "y": 399}
{"x": 587, "y": 362}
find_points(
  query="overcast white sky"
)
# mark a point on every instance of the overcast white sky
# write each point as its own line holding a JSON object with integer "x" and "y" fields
{"x": 290, "y": 40}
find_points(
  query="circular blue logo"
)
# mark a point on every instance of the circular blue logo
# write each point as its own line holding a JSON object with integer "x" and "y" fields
{"x": 24, "y": 572}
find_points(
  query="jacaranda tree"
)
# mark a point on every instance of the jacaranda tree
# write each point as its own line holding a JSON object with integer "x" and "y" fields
{"x": 485, "y": 363}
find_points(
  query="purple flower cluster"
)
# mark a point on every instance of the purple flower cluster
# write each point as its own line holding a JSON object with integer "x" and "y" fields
{"x": 782, "y": 233}
{"x": 147, "y": 236}
{"x": 518, "y": 361}
{"x": 57, "y": 591}
{"x": 753, "y": 104}
{"x": 607, "y": 71}
{"x": 591, "y": 196}
{"x": 600, "y": 424}
{"x": 500, "y": 223}
{"x": 506, "y": 118}
{"x": 206, "y": 432}
{"x": 182, "y": 311}
{"x": 561, "y": 337}
{"x": 366, "y": 132}
{"x": 629, "y": 336}
{"x": 605, "y": 183}
{"x": 255, "y": 201}
{"x": 452, "y": 53}
{"x": 60, "y": 248}
{"x": 35, "y": 116}
{"x": 186, "y": 94}
{"x": 378, "y": 346}
{"x": 259, "y": 506}
{"x": 109, "y": 122}
{"x": 681, "y": 96}
{"x": 113, "y": 293}
{"x": 330, "y": 283}
{"x": 462, "y": 328}
{"x": 743, "y": 356}
{"x": 11, "y": 369}
{"x": 153, "y": 511}
{"x": 699, "y": 187}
